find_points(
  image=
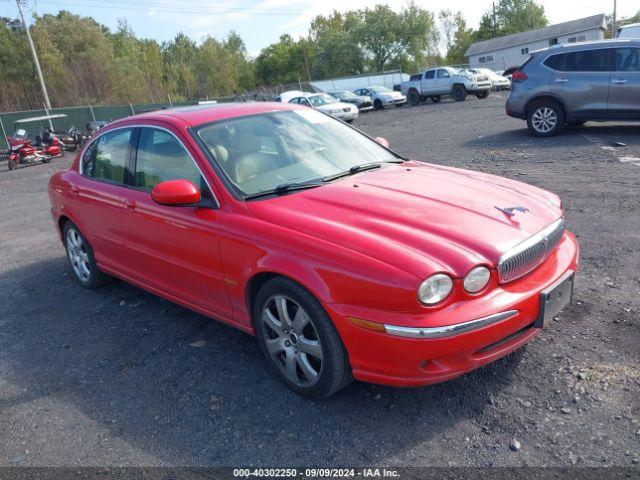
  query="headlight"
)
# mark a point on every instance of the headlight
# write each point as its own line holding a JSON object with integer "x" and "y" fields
{"x": 476, "y": 279}
{"x": 338, "y": 110}
{"x": 435, "y": 289}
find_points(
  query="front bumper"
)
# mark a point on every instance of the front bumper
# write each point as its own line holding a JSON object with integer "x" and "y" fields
{"x": 344, "y": 116}
{"x": 480, "y": 86}
{"x": 450, "y": 347}
{"x": 394, "y": 101}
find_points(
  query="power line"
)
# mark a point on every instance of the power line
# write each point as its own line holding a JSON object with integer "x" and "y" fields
{"x": 169, "y": 8}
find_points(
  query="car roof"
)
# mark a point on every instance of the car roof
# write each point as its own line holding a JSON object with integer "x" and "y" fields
{"x": 612, "y": 42}
{"x": 194, "y": 115}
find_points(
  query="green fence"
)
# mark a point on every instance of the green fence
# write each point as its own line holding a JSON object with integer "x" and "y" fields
{"x": 75, "y": 116}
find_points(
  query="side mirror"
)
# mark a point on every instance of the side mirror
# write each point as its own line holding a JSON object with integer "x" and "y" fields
{"x": 382, "y": 141}
{"x": 175, "y": 192}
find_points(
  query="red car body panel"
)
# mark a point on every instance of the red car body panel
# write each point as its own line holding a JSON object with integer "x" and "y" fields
{"x": 361, "y": 245}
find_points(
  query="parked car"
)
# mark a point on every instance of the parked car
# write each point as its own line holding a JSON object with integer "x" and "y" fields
{"x": 629, "y": 31}
{"x": 328, "y": 104}
{"x": 574, "y": 83}
{"x": 382, "y": 96}
{"x": 498, "y": 82}
{"x": 326, "y": 245}
{"x": 436, "y": 82}
{"x": 288, "y": 95}
{"x": 363, "y": 102}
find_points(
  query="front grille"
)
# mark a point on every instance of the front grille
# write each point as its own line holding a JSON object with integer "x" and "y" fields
{"x": 525, "y": 257}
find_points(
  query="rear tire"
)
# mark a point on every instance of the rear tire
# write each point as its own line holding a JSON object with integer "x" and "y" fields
{"x": 545, "y": 118}
{"x": 81, "y": 258}
{"x": 459, "y": 93}
{"x": 299, "y": 340}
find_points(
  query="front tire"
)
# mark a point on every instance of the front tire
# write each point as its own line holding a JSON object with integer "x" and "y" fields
{"x": 545, "y": 118}
{"x": 299, "y": 339}
{"x": 414, "y": 98}
{"x": 459, "y": 93}
{"x": 81, "y": 258}
{"x": 483, "y": 94}
{"x": 13, "y": 164}
{"x": 377, "y": 104}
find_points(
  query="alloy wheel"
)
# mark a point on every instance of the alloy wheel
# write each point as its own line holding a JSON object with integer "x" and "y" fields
{"x": 544, "y": 119}
{"x": 292, "y": 340}
{"x": 78, "y": 255}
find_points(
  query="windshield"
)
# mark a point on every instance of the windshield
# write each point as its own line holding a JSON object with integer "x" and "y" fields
{"x": 261, "y": 152}
{"x": 380, "y": 89}
{"x": 317, "y": 100}
{"x": 347, "y": 94}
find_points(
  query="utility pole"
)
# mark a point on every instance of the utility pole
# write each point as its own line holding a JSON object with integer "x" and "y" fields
{"x": 494, "y": 19}
{"x": 35, "y": 58}
{"x": 613, "y": 23}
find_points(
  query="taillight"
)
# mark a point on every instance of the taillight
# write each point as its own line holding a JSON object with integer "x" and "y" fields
{"x": 518, "y": 76}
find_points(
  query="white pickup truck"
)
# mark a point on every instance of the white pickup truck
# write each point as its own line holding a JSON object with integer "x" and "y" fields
{"x": 436, "y": 82}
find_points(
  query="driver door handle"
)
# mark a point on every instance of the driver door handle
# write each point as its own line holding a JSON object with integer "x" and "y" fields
{"x": 618, "y": 81}
{"x": 562, "y": 80}
{"x": 130, "y": 204}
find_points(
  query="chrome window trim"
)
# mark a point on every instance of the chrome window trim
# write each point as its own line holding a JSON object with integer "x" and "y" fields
{"x": 449, "y": 330}
{"x": 527, "y": 244}
{"x": 141, "y": 125}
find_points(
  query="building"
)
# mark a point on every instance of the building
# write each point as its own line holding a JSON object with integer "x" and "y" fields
{"x": 501, "y": 53}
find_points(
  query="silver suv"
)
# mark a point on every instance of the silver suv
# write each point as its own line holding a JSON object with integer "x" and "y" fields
{"x": 570, "y": 84}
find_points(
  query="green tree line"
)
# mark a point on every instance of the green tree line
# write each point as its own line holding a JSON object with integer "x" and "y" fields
{"x": 84, "y": 62}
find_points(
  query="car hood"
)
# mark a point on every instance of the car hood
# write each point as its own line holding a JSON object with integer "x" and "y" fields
{"x": 419, "y": 217}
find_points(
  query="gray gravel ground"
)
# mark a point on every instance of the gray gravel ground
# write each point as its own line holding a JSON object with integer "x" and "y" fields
{"x": 112, "y": 377}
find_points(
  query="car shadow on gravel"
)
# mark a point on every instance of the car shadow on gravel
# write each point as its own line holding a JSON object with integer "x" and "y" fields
{"x": 591, "y": 133}
{"x": 192, "y": 391}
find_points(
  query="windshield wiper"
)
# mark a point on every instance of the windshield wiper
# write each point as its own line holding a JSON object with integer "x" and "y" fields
{"x": 285, "y": 187}
{"x": 359, "y": 168}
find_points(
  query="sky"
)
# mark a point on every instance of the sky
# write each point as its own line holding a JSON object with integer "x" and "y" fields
{"x": 261, "y": 22}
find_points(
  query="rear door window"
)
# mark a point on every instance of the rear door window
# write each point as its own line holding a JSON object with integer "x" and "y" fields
{"x": 587, "y": 61}
{"x": 443, "y": 74}
{"x": 555, "y": 62}
{"x": 628, "y": 59}
{"x": 106, "y": 159}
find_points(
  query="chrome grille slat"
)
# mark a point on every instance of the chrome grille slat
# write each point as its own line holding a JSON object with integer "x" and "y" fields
{"x": 525, "y": 257}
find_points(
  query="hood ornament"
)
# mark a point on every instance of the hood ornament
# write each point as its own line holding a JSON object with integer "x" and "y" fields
{"x": 511, "y": 211}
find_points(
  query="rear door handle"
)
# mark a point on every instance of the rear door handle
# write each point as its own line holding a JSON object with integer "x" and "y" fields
{"x": 618, "y": 81}
{"x": 130, "y": 204}
{"x": 562, "y": 80}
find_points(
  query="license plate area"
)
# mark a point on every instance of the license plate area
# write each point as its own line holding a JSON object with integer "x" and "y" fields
{"x": 554, "y": 298}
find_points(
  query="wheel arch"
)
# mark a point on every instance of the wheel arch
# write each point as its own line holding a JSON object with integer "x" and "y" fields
{"x": 546, "y": 96}
{"x": 307, "y": 280}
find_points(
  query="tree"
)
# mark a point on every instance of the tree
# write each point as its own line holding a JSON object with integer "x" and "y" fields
{"x": 511, "y": 16}
{"x": 334, "y": 50}
{"x": 282, "y": 62}
{"x": 458, "y": 36}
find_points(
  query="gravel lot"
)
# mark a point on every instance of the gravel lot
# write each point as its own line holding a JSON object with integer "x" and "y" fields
{"x": 120, "y": 377}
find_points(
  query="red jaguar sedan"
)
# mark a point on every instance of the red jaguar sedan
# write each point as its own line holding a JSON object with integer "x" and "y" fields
{"x": 345, "y": 259}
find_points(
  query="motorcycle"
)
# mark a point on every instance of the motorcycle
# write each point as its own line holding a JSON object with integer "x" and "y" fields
{"x": 23, "y": 152}
{"x": 71, "y": 139}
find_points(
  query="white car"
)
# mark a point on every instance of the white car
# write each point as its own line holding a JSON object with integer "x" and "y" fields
{"x": 286, "y": 97}
{"x": 328, "y": 104}
{"x": 382, "y": 96}
{"x": 498, "y": 82}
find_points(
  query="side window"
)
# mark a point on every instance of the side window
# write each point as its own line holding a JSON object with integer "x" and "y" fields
{"x": 429, "y": 74}
{"x": 628, "y": 59}
{"x": 524, "y": 51}
{"x": 443, "y": 74}
{"x": 160, "y": 158}
{"x": 555, "y": 62}
{"x": 416, "y": 77}
{"x": 587, "y": 61}
{"x": 106, "y": 158}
